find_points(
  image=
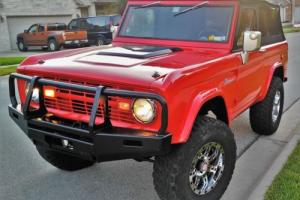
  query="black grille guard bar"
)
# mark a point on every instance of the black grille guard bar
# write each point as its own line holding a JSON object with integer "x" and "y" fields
{"x": 37, "y": 82}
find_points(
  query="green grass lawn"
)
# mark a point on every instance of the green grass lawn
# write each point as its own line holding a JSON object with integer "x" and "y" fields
{"x": 291, "y": 29}
{"x": 287, "y": 183}
{"x": 7, "y": 70}
{"x": 10, "y": 60}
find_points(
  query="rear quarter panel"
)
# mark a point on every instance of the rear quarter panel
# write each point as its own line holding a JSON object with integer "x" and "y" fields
{"x": 276, "y": 56}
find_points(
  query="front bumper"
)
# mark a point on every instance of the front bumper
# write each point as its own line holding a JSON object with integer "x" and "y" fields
{"x": 103, "y": 143}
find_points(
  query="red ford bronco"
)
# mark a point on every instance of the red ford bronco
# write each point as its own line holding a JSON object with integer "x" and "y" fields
{"x": 177, "y": 75}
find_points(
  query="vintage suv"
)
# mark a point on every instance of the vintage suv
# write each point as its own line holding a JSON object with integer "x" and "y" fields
{"x": 177, "y": 75}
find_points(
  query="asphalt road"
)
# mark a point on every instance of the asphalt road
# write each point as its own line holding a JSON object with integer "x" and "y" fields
{"x": 25, "y": 175}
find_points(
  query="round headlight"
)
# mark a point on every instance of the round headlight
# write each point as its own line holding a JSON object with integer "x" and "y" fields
{"x": 144, "y": 110}
{"x": 27, "y": 88}
{"x": 36, "y": 95}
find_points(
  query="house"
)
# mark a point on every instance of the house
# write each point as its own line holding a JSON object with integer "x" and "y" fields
{"x": 296, "y": 11}
{"x": 285, "y": 9}
{"x": 289, "y": 10}
{"x": 18, "y": 15}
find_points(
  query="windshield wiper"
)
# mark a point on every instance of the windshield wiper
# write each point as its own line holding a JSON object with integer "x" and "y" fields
{"x": 192, "y": 8}
{"x": 148, "y": 5}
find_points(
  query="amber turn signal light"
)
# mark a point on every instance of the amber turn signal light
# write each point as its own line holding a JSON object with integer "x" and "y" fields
{"x": 49, "y": 93}
{"x": 124, "y": 106}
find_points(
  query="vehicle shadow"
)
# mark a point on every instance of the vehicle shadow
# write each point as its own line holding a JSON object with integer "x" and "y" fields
{"x": 112, "y": 180}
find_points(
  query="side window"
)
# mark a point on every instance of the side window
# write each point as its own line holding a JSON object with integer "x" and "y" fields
{"x": 33, "y": 29}
{"x": 270, "y": 25}
{"x": 41, "y": 28}
{"x": 74, "y": 25}
{"x": 61, "y": 27}
{"x": 116, "y": 20}
{"x": 247, "y": 22}
{"x": 84, "y": 24}
{"x": 51, "y": 27}
{"x": 97, "y": 23}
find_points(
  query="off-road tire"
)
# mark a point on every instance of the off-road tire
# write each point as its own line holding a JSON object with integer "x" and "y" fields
{"x": 261, "y": 113}
{"x": 63, "y": 161}
{"x": 22, "y": 46}
{"x": 53, "y": 45}
{"x": 171, "y": 172}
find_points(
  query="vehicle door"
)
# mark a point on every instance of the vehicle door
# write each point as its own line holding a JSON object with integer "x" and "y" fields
{"x": 249, "y": 74}
{"x": 41, "y": 38}
{"x": 30, "y": 36}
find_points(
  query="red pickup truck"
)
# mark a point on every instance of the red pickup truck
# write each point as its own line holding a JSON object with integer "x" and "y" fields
{"x": 50, "y": 36}
{"x": 167, "y": 91}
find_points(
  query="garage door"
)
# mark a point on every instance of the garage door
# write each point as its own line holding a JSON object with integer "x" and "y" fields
{"x": 19, "y": 24}
{"x": 297, "y": 15}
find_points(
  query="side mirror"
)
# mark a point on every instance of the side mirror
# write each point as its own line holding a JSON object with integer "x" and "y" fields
{"x": 252, "y": 42}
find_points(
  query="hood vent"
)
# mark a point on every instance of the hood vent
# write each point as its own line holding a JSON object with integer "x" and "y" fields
{"x": 138, "y": 52}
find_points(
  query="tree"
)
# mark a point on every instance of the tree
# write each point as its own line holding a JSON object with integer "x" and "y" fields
{"x": 122, "y": 5}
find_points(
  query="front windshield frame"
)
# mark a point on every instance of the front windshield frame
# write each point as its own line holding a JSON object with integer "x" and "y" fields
{"x": 229, "y": 29}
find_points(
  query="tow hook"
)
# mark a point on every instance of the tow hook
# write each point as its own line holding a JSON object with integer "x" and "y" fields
{"x": 66, "y": 144}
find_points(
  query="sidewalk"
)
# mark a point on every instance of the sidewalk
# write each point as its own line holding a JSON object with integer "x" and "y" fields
{"x": 252, "y": 166}
{"x": 6, "y": 66}
{"x": 276, "y": 167}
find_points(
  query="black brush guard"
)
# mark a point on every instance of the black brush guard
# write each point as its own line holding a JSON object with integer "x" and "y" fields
{"x": 100, "y": 143}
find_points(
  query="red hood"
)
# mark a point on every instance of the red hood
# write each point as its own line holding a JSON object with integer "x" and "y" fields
{"x": 106, "y": 67}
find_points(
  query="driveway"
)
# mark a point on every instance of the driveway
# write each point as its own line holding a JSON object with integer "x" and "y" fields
{"x": 24, "y": 175}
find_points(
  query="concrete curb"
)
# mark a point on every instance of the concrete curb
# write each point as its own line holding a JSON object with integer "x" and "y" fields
{"x": 7, "y": 66}
{"x": 252, "y": 167}
{"x": 259, "y": 192}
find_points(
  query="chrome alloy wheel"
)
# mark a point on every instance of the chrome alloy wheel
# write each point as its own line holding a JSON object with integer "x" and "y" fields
{"x": 52, "y": 46}
{"x": 207, "y": 168}
{"x": 21, "y": 45}
{"x": 276, "y": 106}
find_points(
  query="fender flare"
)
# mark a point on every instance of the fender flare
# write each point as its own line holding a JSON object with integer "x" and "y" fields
{"x": 50, "y": 37}
{"x": 20, "y": 39}
{"x": 101, "y": 36}
{"x": 194, "y": 110}
{"x": 269, "y": 80}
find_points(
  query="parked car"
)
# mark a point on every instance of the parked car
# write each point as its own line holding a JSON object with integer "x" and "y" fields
{"x": 163, "y": 92}
{"x": 100, "y": 29}
{"x": 51, "y": 36}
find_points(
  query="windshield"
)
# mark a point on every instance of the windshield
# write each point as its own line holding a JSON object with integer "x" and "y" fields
{"x": 206, "y": 23}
